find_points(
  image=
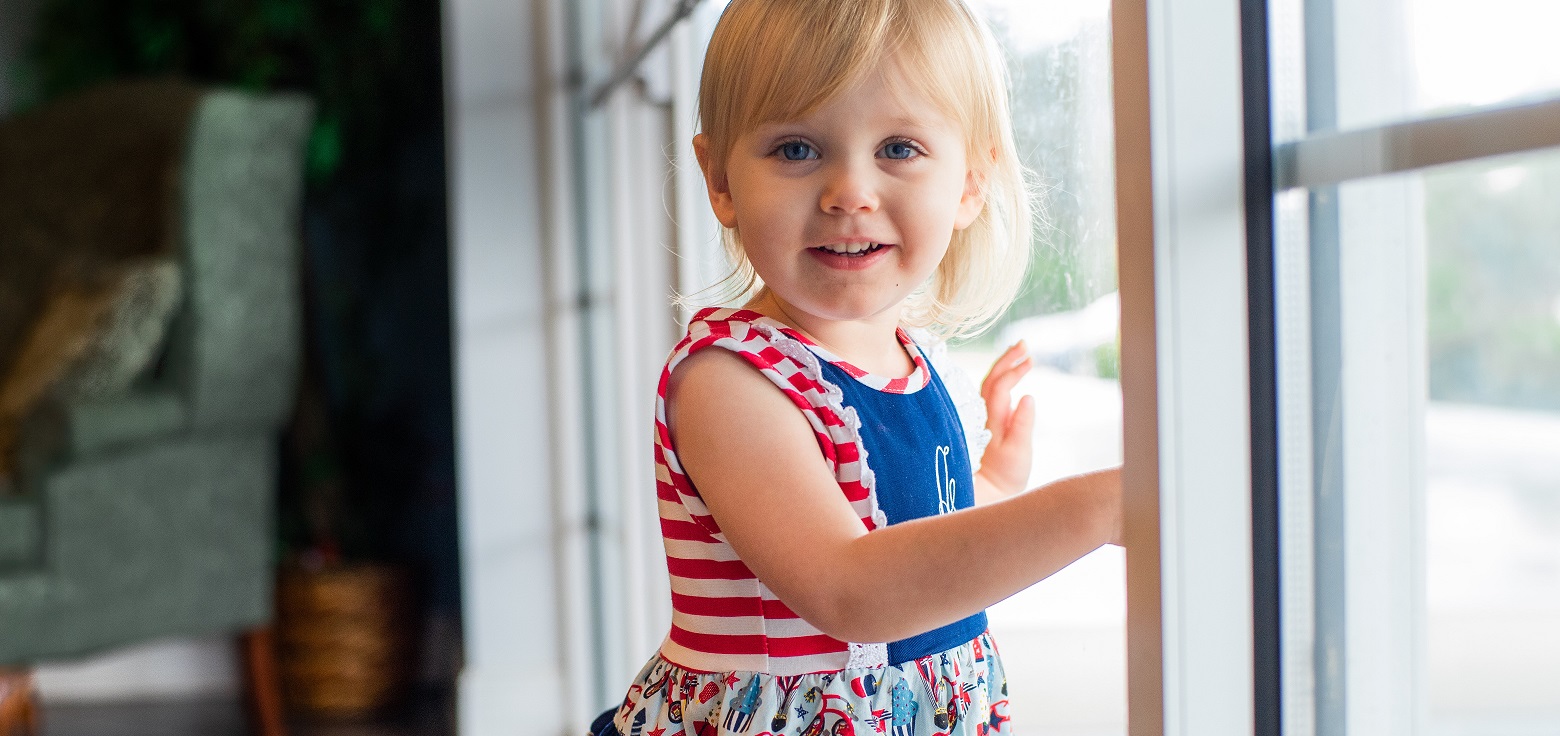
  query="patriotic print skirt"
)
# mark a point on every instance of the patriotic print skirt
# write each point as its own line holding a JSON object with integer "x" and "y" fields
{"x": 958, "y": 692}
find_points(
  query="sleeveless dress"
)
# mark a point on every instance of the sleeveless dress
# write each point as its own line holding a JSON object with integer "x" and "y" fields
{"x": 737, "y": 661}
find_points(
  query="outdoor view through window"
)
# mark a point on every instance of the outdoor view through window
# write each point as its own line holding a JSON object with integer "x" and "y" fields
{"x": 1064, "y": 640}
{"x": 1492, "y": 486}
{"x": 1477, "y": 274}
{"x": 1492, "y": 555}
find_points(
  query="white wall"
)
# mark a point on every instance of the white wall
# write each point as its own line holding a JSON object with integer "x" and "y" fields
{"x": 508, "y": 541}
{"x": 170, "y": 668}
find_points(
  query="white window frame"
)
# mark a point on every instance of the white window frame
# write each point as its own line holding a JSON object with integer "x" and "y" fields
{"x": 1184, "y": 366}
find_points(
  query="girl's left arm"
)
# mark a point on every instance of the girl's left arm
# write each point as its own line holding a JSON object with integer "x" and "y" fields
{"x": 1004, "y": 468}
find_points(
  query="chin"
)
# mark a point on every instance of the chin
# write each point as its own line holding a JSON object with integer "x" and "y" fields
{"x": 854, "y": 311}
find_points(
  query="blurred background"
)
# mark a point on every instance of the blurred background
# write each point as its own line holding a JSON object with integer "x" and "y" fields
{"x": 226, "y": 331}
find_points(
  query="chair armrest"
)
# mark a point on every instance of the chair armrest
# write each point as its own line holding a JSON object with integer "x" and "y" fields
{"x": 87, "y": 428}
{"x": 123, "y": 420}
{"x": 20, "y": 532}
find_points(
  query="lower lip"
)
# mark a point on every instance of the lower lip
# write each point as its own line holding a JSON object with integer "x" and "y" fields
{"x": 849, "y": 263}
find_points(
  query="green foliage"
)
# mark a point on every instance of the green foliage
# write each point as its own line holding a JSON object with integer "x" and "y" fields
{"x": 1063, "y": 137}
{"x": 351, "y": 56}
{"x": 1493, "y": 262}
{"x": 1107, "y": 360}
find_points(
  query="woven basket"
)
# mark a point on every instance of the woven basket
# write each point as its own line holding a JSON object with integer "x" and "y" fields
{"x": 344, "y": 637}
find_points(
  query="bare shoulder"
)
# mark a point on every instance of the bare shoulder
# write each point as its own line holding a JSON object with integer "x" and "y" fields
{"x": 717, "y": 396}
{"x": 714, "y": 368}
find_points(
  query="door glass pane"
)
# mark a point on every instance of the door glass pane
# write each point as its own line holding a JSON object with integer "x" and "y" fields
{"x": 1479, "y": 53}
{"x": 1422, "y": 520}
{"x": 1063, "y": 640}
{"x": 1449, "y": 55}
{"x": 1492, "y": 488}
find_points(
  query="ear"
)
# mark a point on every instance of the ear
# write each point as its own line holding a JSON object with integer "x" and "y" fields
{"x": 715, "y": 182}
{"x": 972, "y": 201}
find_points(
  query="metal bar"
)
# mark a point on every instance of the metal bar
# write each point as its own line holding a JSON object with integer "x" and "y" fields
{"x": 1331, "y": 158}
{"x": 1262, "y": 336}
{"x": 585, "y": 136}
{"x": 1329, "y": 553}
{"x": 1329, "y": 673}
{"x": 626, "y": 69}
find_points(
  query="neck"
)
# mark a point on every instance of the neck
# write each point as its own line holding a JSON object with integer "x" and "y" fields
{"x": 870, "y": 344}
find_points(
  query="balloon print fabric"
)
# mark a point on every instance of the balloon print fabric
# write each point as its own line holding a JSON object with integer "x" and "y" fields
{"x": 958, "y": 692}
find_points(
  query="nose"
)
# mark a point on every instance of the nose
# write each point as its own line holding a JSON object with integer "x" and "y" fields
{"x": 849, "y": 190}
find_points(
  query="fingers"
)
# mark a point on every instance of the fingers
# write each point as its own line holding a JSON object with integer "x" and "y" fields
{"x": 1022, "y": 423}
{"x": 1015, "y": 358}
{"x": 1004, "y": 375}
{"x": 997, "y": 389}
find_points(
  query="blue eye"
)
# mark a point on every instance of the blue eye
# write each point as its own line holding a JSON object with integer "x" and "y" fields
{"x": 797, "y": 151}
{"x": 899, "y": 150}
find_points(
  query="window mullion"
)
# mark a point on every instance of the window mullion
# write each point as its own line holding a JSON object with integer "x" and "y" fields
{"x": 1189, "y": 543}
{"x": 1335, "y": 157}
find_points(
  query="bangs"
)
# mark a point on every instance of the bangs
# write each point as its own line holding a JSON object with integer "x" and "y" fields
{"x": 793, "y": 56}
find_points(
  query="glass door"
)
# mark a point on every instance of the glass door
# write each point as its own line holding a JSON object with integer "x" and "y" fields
{"x": 1416, "y": 293}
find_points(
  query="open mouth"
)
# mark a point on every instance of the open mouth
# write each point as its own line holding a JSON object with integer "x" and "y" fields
{"x": 852, "y": 250}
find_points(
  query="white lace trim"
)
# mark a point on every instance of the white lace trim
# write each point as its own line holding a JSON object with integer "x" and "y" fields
{"x": 866, "y": 655}
{"x": 962, "y": 389}
{"x": 792, "y": 348}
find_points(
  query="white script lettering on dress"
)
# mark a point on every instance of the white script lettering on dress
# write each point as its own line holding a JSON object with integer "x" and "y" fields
{"x": 946, "y": 499}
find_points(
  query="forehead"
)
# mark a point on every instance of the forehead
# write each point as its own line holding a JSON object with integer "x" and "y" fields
{"x": 887, "y": 94}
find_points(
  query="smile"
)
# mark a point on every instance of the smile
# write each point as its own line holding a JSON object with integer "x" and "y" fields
{"x": 851, "y": 256}
{"x": 854, "y": 250}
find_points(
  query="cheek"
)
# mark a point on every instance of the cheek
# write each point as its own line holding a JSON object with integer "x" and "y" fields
{"x": 936, "y": 204}
{"x": 750, "y": 196}
{"x": 768, "y": 209}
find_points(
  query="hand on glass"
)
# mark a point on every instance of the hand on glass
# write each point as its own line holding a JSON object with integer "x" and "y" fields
{"x": 1008, "y": 457}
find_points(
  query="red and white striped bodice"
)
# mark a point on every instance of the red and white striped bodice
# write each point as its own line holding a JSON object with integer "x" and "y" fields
{"x": 723, "y": 618}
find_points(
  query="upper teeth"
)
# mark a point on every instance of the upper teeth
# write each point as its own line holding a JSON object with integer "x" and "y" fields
{"x": 848, "y": 247}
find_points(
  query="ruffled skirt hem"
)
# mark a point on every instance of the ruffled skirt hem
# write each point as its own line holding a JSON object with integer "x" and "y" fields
{"x": 958, "y": 692}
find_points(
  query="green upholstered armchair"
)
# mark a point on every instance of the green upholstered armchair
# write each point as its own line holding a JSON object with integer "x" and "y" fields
{"x": 147, "y": 510}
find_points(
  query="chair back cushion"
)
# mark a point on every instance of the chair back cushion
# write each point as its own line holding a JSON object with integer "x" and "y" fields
{"x": 90, "y": 202}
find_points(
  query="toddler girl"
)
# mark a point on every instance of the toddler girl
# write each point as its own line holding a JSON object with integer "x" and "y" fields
{"x": 835, "y": 519}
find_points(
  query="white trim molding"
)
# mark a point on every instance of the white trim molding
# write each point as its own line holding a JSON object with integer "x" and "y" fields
{"x": 504, "y": 83}
{"x": 1185, "y": 366}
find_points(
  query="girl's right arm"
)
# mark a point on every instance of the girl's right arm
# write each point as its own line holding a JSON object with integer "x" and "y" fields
{"x": 757, "y": 466}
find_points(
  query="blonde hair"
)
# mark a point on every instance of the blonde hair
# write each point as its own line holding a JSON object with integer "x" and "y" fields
{"x": 825, "y": 47}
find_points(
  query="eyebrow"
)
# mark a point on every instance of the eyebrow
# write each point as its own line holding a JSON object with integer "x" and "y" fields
{"x": 909, "y": 123}
{"x": 779, "y": 128}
